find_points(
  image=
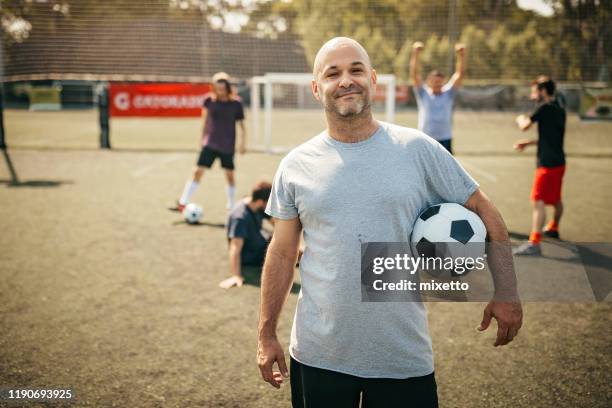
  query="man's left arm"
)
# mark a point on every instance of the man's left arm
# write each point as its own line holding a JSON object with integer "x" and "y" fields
{"x": 242, "y": 143}
{"x": 240, "y": 122}
{"x": 457, "y": 78}
{"x": 505, "y": 306}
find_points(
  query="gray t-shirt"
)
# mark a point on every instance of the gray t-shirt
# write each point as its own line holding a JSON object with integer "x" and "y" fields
{"x": 346, "y": 194}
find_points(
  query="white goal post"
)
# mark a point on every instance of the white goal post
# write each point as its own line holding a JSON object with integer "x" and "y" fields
{"x": 263, "y": 140}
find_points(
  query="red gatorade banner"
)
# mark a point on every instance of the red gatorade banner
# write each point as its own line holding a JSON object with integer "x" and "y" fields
{"x": 157, "y": 99}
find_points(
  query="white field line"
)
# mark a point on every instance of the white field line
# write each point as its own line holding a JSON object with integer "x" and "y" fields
{"x": 479, "y": 171}
{"x": 146, "y": 169}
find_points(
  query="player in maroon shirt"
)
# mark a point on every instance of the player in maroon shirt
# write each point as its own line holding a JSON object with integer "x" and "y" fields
{"x": 221, "y": 111}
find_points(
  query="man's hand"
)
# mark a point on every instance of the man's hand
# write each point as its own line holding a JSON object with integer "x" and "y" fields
{"x": 231, "y": 282}
{"x": 269, "y": 351}
{"x": 241, "y": 148}
{"x": 521, "y": 144}
{"x": 523, "y": 122}
{"x": 509, "y": 316}
{"x": 415, "y": 74}
{"x": 460, "y": 49}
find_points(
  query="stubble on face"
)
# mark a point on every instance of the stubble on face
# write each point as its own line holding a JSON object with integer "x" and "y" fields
{"x": 348, "y": 102}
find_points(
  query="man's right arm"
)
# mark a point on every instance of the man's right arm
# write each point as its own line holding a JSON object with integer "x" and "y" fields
{"x": 415, "y": 75}
{"x": 235, "y": 258}
{"x": 277, "y": 278}
{"x": 524, "y": 123}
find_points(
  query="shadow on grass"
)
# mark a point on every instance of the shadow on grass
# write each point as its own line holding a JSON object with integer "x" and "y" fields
{"x": 595, "y": 257}
{"x": 518, "y": 236}
{"x": 14, "y": 181}
{"x": 200, "y": 224}
{"x": 252, "y": 276}
{"x": 35, "y": 183}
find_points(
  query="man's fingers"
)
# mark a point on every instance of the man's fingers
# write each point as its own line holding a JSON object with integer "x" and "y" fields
{"x": 274, "y": 378}
{"x": 282, "y": 365}
{"x": 509, "y": 320}
{"x": 510, "y": 336}
{"x": 269, "y": 376}
{"x": 486, "y": 320}
{"x": 502, "y": 334}
{"x": 278, "y": 377}
{"x": 266, "y": 371}
{"x": 512, "y": 332}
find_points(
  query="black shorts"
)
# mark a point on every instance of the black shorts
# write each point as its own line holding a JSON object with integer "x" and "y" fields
{"x": 315, "y": 387}
{"x": 208, "y": 156}
{"x": 448, "y": 144}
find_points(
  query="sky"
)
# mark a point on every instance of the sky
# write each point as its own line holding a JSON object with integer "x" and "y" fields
{"x": 538, "y": 6}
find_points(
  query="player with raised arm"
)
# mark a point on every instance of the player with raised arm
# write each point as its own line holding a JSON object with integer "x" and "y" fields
{"x": 435, "y": 98}
{"x": 361, "y": 181}
{"x": 221, "y": 111}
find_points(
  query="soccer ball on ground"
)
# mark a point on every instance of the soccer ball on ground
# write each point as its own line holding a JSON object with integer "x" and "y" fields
{"x": 192, "y": 213}
{"x": 448, "y": 230}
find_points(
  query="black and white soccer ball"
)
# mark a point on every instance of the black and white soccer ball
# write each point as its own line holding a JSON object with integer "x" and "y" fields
{"x": 192, "y": 213}
{"x": 448, "y": 230}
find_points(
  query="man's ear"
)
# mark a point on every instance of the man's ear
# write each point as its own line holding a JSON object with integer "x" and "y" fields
{"x": 315, "y": 90}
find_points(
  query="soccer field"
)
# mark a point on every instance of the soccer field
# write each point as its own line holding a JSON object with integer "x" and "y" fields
{"x": 476, "y": 133}
{"x": 105, "y": 291}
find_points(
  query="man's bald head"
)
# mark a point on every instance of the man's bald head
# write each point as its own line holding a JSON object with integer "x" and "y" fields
{"x": 344, "y": 80}
{"x": 336, "y": 44}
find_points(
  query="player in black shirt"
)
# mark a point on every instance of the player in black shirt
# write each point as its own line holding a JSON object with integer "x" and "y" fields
{"x": 550, "y": 117}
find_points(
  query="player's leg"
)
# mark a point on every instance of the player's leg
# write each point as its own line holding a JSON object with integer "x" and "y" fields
{"x": 192, "y": 184}
{"x": 537, "y": 221}
{"x": 532, "y": 247}
{"x": 419, "y": 392}
{"x": 315, "y": 387}
{"x": 552, "y": 229}
{"x": 227, "y": 162}
{"x": 205, "y": 160}
{"x": 538, "y": 194}
{"x": 230, "y": 190}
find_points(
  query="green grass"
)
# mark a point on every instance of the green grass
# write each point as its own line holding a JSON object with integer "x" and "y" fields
{"x": 106, "y": 291}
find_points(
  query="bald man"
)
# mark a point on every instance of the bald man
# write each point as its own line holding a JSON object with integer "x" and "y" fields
{"x": 360, "y": 181}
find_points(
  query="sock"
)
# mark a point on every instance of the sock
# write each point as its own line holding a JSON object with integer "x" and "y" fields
{"x": 231, "y": 191}
{"x": 552, "y": 226}
{"x": 190, "y": 187}
{"x": 535, "y": 237}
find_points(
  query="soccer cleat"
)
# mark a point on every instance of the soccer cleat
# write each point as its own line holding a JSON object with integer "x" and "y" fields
{"x": 528, "y": 248}
{"x": 178, "y": 207}
{"x": 552, "y": 234}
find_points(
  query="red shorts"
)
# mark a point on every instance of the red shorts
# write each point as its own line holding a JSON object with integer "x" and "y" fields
{"x": 547, "y": 184}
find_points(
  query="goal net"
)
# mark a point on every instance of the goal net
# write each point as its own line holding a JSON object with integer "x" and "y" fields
{"x": 285, "y": 113}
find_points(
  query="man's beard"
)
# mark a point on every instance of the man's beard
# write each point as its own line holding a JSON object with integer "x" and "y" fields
{"x": 355, "y": 109}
